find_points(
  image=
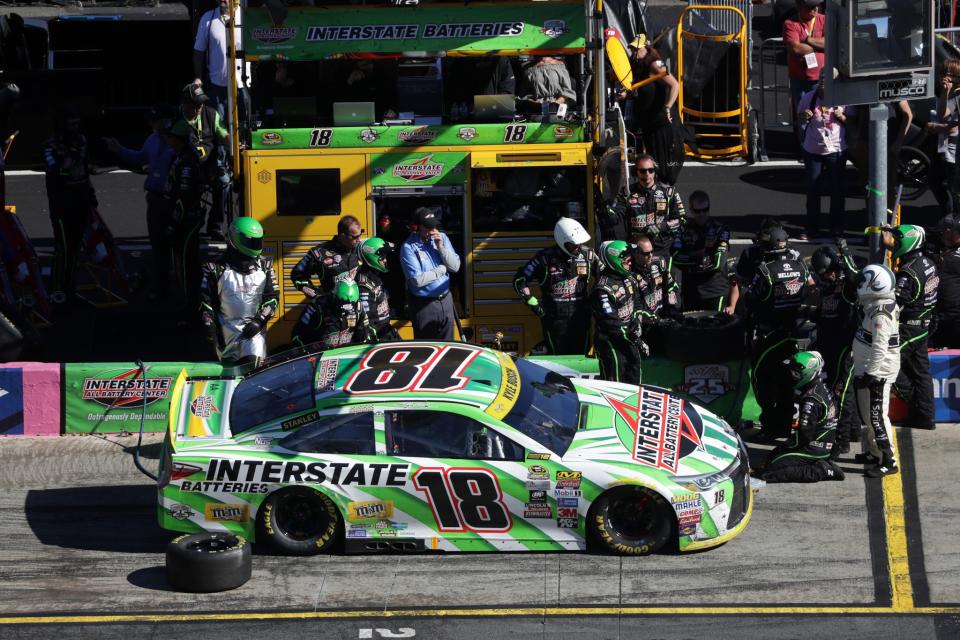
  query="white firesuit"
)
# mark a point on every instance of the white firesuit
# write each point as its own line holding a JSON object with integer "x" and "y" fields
{"x": 876, "y": 352}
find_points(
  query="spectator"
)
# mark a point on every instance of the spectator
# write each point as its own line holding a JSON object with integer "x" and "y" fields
{"x": 548, "y": 80}
{"x": 803, "y": 36}
{"x": 211, "y": 140}
{"x": 428, "y": 259}
{"x": 944, "y": 179}
{"x": 823, "y": 153}
{"x": 157, "y": 156}
{"x": 653, "y": 109}
{"x": 331, "y": 261}
{"x": 211, "y": 55}
{"x": 369, "y": 82}
{"x": 947, "y": 333}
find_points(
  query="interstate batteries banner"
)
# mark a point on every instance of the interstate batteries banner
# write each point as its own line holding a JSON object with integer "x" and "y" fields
{"x": 322, "y": 32}
{"x": 415, "y": 169}
{"x": 108, "y": 397}
{"x": 418, "y": 135}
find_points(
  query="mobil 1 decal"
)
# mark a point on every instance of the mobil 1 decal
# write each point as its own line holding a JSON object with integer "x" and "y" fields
{"x": 657, "y": 427}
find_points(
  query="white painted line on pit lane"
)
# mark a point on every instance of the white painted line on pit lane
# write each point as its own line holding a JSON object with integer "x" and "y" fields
{"x": 31, "y": 172}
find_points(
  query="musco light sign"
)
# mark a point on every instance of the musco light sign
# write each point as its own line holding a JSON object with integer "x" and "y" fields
{"x": 902, "y": 89}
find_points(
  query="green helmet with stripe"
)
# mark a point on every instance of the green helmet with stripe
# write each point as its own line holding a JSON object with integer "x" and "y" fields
{"x": 805, "y": 367}
{"x": 374, "y": 252}
{"x": 347, "y": 291}
{"x": 907, "y": 238}
{"x": 615, "y": 254}
{"x": 246, "y": 236}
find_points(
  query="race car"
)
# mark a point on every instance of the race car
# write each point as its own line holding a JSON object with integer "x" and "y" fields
{"x": 418, "y": 446}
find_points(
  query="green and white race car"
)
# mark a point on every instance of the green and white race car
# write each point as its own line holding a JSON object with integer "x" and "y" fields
{"x": 412, "y": 446}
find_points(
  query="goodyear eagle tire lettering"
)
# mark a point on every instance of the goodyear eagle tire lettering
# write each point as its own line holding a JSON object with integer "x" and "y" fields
{"x": 208, "y": 562}
{"x": 299, "y": 521}
{"x": 632, "y": 521}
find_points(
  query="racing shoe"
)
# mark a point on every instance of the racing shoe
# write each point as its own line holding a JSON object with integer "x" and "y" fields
{"x": 831, "y": 471}
{"x": 880, "y": 470}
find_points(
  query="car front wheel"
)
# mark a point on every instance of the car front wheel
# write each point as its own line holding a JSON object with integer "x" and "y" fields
{"x": 632, "y": 521}
{"x": 299, "y": 521}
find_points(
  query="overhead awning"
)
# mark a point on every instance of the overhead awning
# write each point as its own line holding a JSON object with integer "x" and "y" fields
{"x": 317, "y": 33}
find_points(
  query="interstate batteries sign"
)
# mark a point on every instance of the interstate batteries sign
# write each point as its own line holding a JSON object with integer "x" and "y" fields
{"x": 418, "y": 135}
{"x": 315, "y": 33}
{"x": 109, "y": 398}
{"x": 415, "y": 169}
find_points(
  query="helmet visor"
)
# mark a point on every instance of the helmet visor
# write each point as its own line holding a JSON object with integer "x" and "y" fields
{"x": 248, "y": 245}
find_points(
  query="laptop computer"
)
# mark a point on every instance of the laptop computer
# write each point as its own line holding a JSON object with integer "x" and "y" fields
{"x": 353, "y": 114}
{"x": 495, "y": 108}
{"x": 294, "y": 111}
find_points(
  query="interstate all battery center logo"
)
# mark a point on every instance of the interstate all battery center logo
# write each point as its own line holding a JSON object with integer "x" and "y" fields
{"x": 275, "y": 34}
{"x": 423, "y": 168}
{"x": 327, "y": 33}
{"x": 125, "y": 389}
{"x": 660, "y": 429}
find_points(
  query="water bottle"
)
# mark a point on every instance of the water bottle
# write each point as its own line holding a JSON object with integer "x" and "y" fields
{"x": 545, "y": 108}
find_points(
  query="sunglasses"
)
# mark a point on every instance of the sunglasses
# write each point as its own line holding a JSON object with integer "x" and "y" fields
{"x": 646, "y": 170}
{"x": 355, "y": 237}
{"x": 645, "y": 253}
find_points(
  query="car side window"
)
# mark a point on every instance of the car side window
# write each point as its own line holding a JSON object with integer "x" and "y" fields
{"x": 436, "y": 434}
{"x": 350, "y": 433}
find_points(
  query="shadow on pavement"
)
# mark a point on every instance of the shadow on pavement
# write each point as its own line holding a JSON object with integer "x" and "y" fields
{"x": 106, "y": 518}
{"x": 153, "y": 578}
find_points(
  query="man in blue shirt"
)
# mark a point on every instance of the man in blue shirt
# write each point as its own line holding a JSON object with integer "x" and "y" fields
{"x": 157, "y": 156}
{"x": 428, "y": 259}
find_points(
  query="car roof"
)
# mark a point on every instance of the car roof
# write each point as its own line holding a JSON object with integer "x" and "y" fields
{"x": 440, "y": 372}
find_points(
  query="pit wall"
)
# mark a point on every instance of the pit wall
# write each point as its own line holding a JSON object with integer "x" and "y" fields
{"x": 49, "y": 399}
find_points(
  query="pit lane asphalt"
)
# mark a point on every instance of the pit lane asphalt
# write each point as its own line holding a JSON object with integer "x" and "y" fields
{"x": 82, "y": 556}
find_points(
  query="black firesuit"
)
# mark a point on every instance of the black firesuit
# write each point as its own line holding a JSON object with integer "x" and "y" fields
{"x": 916, "y": 292}
{"x": 656, "y": 212}
{"x": 751, "y": 259}
{"x": 617, "y": 335}
{"x": 836, "y": 319}
{"x": 376, "y": 303}
{"x": 773, "y": 299}
{"x": 947, "y": 333}
{"x": 184, "y": 188}
{"x": 700, "y": 253}
{"x": 564, "y": 282}
{"x": 331, "y": 323}
{"x": 71, "y": 197}
{"x": 210, "y": 142}
{"x": 329, "y": 260}
{"x": 805, "y": 457}
{"x": 656, "y": 290}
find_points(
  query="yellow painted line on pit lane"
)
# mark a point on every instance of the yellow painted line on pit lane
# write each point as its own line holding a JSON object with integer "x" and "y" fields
{"x": 894, "y": 515}
{"x": 472, "y": 613}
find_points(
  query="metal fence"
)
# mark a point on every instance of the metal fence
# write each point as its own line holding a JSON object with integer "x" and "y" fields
{"x": 729, "y": 21}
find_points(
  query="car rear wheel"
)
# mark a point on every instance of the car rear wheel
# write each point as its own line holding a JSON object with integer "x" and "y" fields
{"x": 208, "y": 562}
{"x": 632, "y": 521}
{"x": 299, "y": 521}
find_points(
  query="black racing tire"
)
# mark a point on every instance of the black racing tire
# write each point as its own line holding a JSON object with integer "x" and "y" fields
{"x": 208, "y": 562}
{"x": 913, "y": 173}
{"x": 632, "y": 521}
{"x": 704, "y": 337}
{"x": 299, "y": 521}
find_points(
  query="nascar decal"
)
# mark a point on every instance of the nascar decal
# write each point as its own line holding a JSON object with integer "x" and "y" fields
{"x": 658, "y": 428}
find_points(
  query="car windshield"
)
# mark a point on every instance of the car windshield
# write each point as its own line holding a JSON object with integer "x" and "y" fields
{"x": 272, "y": 394}
{"x": 547, "y": 409}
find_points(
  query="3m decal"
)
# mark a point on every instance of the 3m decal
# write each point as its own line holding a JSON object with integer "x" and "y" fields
{"x": 663, "y": 428}
{"x": 411, "y": 368}
{"x": 464, "y": 499}
{"x": 226, "y": 512}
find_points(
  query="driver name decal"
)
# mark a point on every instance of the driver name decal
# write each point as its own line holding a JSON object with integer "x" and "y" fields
{"x": 661, "y": 428}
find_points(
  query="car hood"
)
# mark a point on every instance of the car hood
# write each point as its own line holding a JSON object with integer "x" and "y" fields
{"x": 650, "y": 429}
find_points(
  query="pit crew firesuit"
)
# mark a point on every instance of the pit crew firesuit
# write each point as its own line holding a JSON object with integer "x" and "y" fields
{"x": 376, "y": 304}
{"x": 331, "y": 322}
{"x": 240, "y": 294}
{"x": 564, "y": 281}
{"x": 806, "y": 455}
{"x": 617, "y": 335}
{"x": 657, "y": 292}
{"x": 71, "y": 197}
{"x": 656, "y": 212}
{"x": 700, "y": 253}
{"x": 773, "y": 299}
{"x": 876, "y": 362}
{"x": 330, "y": 261}
{"x": 917, "y": 283}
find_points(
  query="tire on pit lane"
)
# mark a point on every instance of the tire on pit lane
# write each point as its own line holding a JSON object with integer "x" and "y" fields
{"x": 631, "y": 521}
{"x": 299, "y": 521}
{"x": 208, "y": 562}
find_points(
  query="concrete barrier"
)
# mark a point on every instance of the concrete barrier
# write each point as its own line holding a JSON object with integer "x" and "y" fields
{"x": 30, "y": 399}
